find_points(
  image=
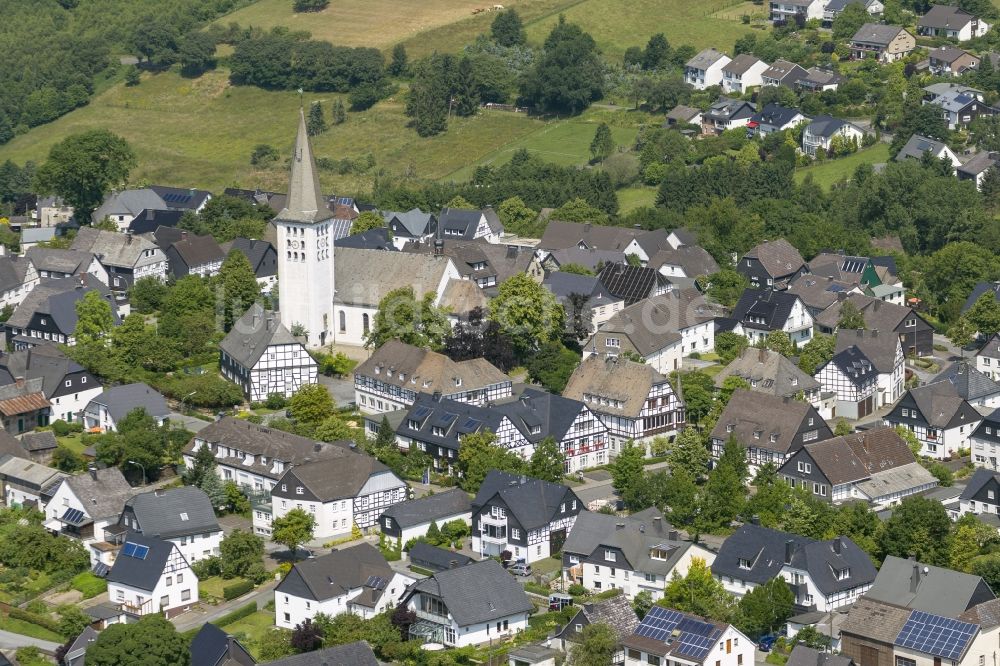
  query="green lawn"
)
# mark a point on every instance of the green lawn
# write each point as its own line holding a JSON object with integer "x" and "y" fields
{"x": 833, "y": 171}
{"x": 212, "y": 587}
{"x": 634, "y": 197}
{"x": 252, "y": 627}
{"x": 29, "y": 629}
{"x": 73, "y": 442}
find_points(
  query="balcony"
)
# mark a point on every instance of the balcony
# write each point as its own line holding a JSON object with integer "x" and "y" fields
{"x": 433, "y": 617}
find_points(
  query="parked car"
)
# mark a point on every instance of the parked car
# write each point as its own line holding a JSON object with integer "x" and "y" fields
{"x": 558, "y": 601}
{"x": 520, "y": 568}
{"x": 767, "y": 642}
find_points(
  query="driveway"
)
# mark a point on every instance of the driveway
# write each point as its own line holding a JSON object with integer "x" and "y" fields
{"x": 341, "y": 389}
{"x": 201, "y": 614}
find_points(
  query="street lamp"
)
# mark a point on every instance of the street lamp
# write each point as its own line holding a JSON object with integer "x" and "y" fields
{"x": 184, "y": 399}
{"x": 142, "y": 467}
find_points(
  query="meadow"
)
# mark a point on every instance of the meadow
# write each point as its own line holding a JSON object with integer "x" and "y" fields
{"x": 830, "y": 172}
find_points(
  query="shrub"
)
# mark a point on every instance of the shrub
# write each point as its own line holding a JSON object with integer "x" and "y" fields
{"x": 257, "y": 573}
{"x": 206, "y": 568}
{"x": 34, "y": 618}
{"x": 275, "y": 401}
{"x": 88, "y": 584}
{"x": 60, "y": 428}
{"x": 237, "y": 589}
{"x": 577, "y": 590}
{"x": 243, "y": 611}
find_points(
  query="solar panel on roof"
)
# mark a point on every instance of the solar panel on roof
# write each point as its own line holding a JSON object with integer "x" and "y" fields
{"x": 101, "y": 569}
{"x": 936, "y": 635}
{"x": 135, "y": 550}
{"x": 72, "y": 516}
{"x": 376, "y": 582}
{"x": 421, "y": 412}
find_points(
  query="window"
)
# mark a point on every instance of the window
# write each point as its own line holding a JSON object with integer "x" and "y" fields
{"x": 911, "y": 322}
{"x": 165, "y": 601}
{"x": 562, "y": 508}
{"x": 903, "y": 661}
{"x": 119, "y": 595}
{"x": 744, "y": 563}
{"x": 186, "y": 595}
{"x": 906, "y": 412}
{"x": 610, "y": 556}
{"x": 612, "y": 342}
{"x": 515, "y": 533}
{"x": 652, "y": 660}
{"x": 69, "y": 383}
{"x": 808, "y": 468}
{"x": 574, "y": 505}
{"x": 284, "y": 488}
{"x": 170, "y": 581}
{"x": 990, "y": 494}
{"x": 844, "y": 574}
{"x": 180, "y": 578}
{"x": 299, "y": 490}
{"x": 801, "y": 466}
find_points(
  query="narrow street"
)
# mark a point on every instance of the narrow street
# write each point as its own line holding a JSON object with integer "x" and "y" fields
{"x": 202, "y": 614}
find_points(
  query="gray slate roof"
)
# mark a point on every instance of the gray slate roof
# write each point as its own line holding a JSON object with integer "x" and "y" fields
{"x": 47, "y": 362}
{"x": 741, "y": 63}
{"x": 749, "y": 412}
{"x": 917, "y": 145}
{"x": 57, "y": 298}
{"x": 430, "y": 508}
{"x": 341, "y": 477}
{"x": 129, "y": 202}
{"x": 778, "y": 257}
{"x": 103, "y": 496}
{"x": 349, "y": 654}
{"x": 63, "y": 261}
{"x": 253, "y": 333}
{"x": 693, "y": 259}
{"x": 120, "y": 400}
{"x": 212, "y": 646}
{"x": 13, "y": 271}
{"x": 336, "y": 573}
{"x": 531, "y": 501}
{"x": 413, "y": 223}
{"x": 616, "y": 612}
{"x": 306, "y": 203}
{"x": 141, "y": 573}
{"x": 938, "y": 590}
{"x": 591, "y": 258}
{"x": 768, "y": 372}
{"x": 111, "y": 247}
{"x": 479, "y": 592}
{"x": 970, "y": 383}
{"x": 945, "y": 17}
{"x": 705, "y": 59}
{"x": 825, "y": 126}
{"x": 420, "y": 369}
{"x": 368, "y": 276}
{"x": 876, "y": 33}
{"x": 634, "y": 537}
{"x": 439, "y": 558}
{"x": 175, "y": 512}
{"x": 653, "y": 323}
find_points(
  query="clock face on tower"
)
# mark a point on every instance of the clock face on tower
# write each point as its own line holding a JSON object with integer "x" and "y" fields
{"x": 295, "y": 245}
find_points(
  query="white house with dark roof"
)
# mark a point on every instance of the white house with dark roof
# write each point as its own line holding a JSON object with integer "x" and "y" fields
{"x": 638, "y": 553}
{"x": 913, "y": 585}
{"x": 262, "y": 357}
{"x": 952, "y": 23}
{"x": 339, "y": 493}
{"x": 835, "y": 8}
{"x": 58, "y": 263}
{"x": 68, "y": 387}
{"x": 705, "y": 69}
{"x": 667, "y": 636}
{"x": 775, "y": 118}
{"x": 412, "y": 518}
{"x": 123, "y": 207}
{"x": 18, "y": 276}
{"x": 354, "y": 580}
{"x": 790, "y": 11}
{"x": 769, "y": 372}
{"x": 125, "y": 257}
{"x": 851, "y": 375}
{"x": 988, "y": 357}
{"x": 975, "y": 167}
{"x": 726, "y": 114}
{"x": 48, "y": 312}
{"x": 823, "y": 575}
{"x": 742, "y": 73}
{"x": 470, "y": 605}
{"x": 981, "y": 494}
{"x": 761, "y": 311}
{"x": 189, "y": 254}
{"x": 106, "y": 410}
{"x": 771, "y": 264}
{"x": 527, "y": 518}
{"x": 941, "y": 419}
{"x": 783, "y": 73}
{"x": 820, "y": 133}
{"x": 461, "y": 223}
{"x": 262, "y": 256}
{"x": 918, "y": 145}
{"x": 409, "y": 226}
{"x": 151, "y": 576}
{"x": 183, "y": 516}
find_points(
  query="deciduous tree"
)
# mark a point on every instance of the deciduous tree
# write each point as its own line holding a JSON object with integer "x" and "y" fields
{"x": 401, "y": 316}
{"x": 918, "y": 528}
{"x": 507, "y": 28}
{"x": 547, "y": 461}
{"x": 479, "y": 453}
{"x": 766, "y": 607}
{"x": 597, "y": 646}
{"x": 528, "y": 313}
{"x": 311, "y": 403}
{"x": 293, "y": 529}
{"x": 83, "y": 167}
{"x": 699, "y": 593}
{"x": 152, "y": 641}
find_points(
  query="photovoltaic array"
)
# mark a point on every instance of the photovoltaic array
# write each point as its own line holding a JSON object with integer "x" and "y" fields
{"x": 693, "y": 638}
{"x": 936, "y": 635}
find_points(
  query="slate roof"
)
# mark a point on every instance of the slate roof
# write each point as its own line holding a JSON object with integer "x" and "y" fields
{"x": 341, "y": 477}
{"x": 818, "y": 77}
{"x": 479, "y": 592}
{"x": 977, "y": 292}
{"x": 938, "y": 590}
{"x": 917, "y": 145}
{"x": 81, "y": 642}
{"x": 141, "y": 573}
{"x": 614, "y": 378}
{"x": 876, "y": 33}
{"x": 13, "y": 271}
{"x": 948, "y": 54}
{"x": 825, "y": 126}
{"x": 112, "y": 248}
{"x": 104, "y": 496}
{"x": 413, "y": 223}
{"x": 986, "y": 614}
{"x": 741, "y": 63}
{"x": 840, "y": 5}
{"x": 253, "y": 333}
{"x": 39, "y": 441}
{"x": 458, "y": 222}
{"x": 778, "y": 257}
{"x": 149, "y": 220}
{"x": 726, "y": 109}
{"x": 785, "y": 72}
{"x": 773, "y": 307}
{"x": 694, "y": 260}
{"x": 62, "y": 261}
{"x": 305, "y": 203}
{"x": 945, "y": 17}
{"x": 634, "y": 537}
{"x": 212, "y": 646}
{"x": 47, "y": 362}
{"x": 631, "y": 283}
{"x": 970, "y": 383}
{"x": 531, "y": 501}
{"x": 563, "y": 285}
{"x": 878, "y": 315}
{"x": 854, "y": 365}
{"x": 430, "y": 508}
{"x": 749, "y": 412}
{"x": 559, "y": 235}
{"x": 775, "y": 114}
{"x": 939, "y": 402}
{"x": 654, "y": 323}
{"x": 980, "y": 478}
{"x": 498, "y": 261}
{"x": 705, "y": 59}
{"x": 875, "y": 620}
{"x": 129, "y": 202}
{"x": 336, "y": 573}
{"x": 349, "y": 654}
{"x": 807, "y": 656}
{"x": 439, "y": 558}
{"x": 419, "y": 369}
{"x": 198, "y": 250}
{"x": 979, "y": 163}
{"x": 616, "y": 612}
{"x": 181, "y": 197}
{"x": 684, "y": 114}
{"x": 369, "y": 275}
{"x": 992, "y": 347}
{"x": 373, "y": 239}
{"x": 590, "y": 258}
{"x": 768, "y": 372}
{"x": 174, "y": 512}
{"x": 255, "y": 251}
{"x": 120, "y": 400}
{"x": 57, "y": 298}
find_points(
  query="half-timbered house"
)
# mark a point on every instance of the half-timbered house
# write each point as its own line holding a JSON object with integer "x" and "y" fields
{"x": 851, "y": 375}
{"x": 151, "y": 576}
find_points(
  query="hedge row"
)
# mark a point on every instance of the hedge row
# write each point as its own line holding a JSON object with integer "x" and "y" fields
{"x": 237, "y": 589}
{"x": 34, "y": 618}
{"x": 238, "y": 614}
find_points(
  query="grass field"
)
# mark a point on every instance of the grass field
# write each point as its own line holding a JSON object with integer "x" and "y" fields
{"x": 619, "y": 24}
{"x": 253, "y": 627}
{"x": 833, "y": 171}
{"x": 73, "y": 442}
{"x": 638, "y": 196}
{"x": 201, "y": 132}
{"x": 26, "y": 628}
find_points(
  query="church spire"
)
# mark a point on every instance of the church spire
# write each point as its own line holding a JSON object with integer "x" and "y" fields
{"x": 305, "y": 202}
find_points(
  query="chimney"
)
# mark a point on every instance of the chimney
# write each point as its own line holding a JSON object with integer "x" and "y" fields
{"x": 128, "y": 237}
{"x": 874, "y": 332}
{"x": 437, "y": 396}
{"x": 673, "y": 535}
{"x": 184, "y": 235}
{"x": 915, "y": 578}
{"x": 619, "y": 526}
{"x": 438, "y": 247}
{"x": 92, "y": 468}
{"x": 789, "y": 551}
{"x": 761, "y": 355}
{"x": 837, "y": 545}
{"x": 841, "y": 296}
{"x": 270, "y": 321}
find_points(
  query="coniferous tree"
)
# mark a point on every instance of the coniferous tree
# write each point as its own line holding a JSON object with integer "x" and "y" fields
{"x": 316, "y": 123}
{"x": 466, "y": 97}
{"x": 339, "y": 113}
{"x": 603, "y": 144}
{"x": 399, "y": 63}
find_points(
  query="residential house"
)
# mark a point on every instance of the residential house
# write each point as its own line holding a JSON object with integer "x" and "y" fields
{"x": 262, "y": 357}
{"x": 149, "y": 220}
{"x": 23, "y": 480}
{"x": 51, "y": 211}
{"x": 589, "y": 258}
{"x": 988, "y": 357}
{"x": 885, "y": 353}
{"x": 742, "y": 73}
{"x": 775, "y": 118}
{"x": 48, "y": 312}
{"x": 262, "y": 256}
{"x": 460, "y": 223}
{"x": 941, "y": 419}
{"x": 668, "y": 636}
{"x": 254, "y": 456}
{"x": 913, "y": 585}
{"x": 188, "y": 254}
{"x": 705, "y": 69}
{"x": 823, "y": 575}
{"x": 125, "y": 257}
{"x": 978, "y": 389}
{"x": 484, "y": 263}
{"x": 373, "y": 239}
{"x": 681, "y": 236}
{"x": 683, "y": 115}
{"x": 413, "y": 225}
{"x": 212, "y": 646}
{"x": 761, "y": 311}
{"x": 57, "y": 264}
{"x": 952, "y": 23}
{"x": 959, "y": 104}
{"x": 85, "y": 506}
{"x": 616, "y": 612}
{"x": 796, "y": 11}
{"x": 32, "y": 236}
{"x": 432, "y": 558}
{"x": 150, "y": 576}
{"x": 951, "y": 61}
{"x": 875, "y": 466}
{"x": 862, "y": 271}
{"x": 23, "y": 406}
{"x": 885, "y": 43}
{"x": 183, "y": 516}
{"x": 639, "y": 553}
{"x": 769, "y": 372}
{"x": 123, "y": 207}
{"x": 412, "y": 518}
{"x": 527, "y": 518}
{"x": 915, "y": 334}
{"x": 67, "y": 386}
{"x": 341, "y": 493}
{"x": 631, "y": 284}
{"x": 634, "y": 401}
{"x": 358, "y": 653}
{"x": 396, "y": 373}
{"x": 18, "y": 276}
{"x": 365, "y": 277}
{"x": 770, "y": 428}
{"x": 354, "y": 580}
{"x": 783, "y": 73}
{"x": 104, "y": 412}
{"x": 985, "y": 440}
{"x": 645, "y": 244}
{"x": 835, "y": 8}
{"x": 819, "y": 80}
{"x": 823, "y": 130}
{"x": 182, "y": 198}
{"x": 980, "y": 495}
{"x": 771, "y": 264}
{"x": 681, "y": 265}
{"x": 585, "y": 293}
{"x": 469, "y": 605}
{"x": 436, "y": 426}
{"x": 975, "y": 167}
{"x": 726, "y": 114}
{"x": 917, "y": 146}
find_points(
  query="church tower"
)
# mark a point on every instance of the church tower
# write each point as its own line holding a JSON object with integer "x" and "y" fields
{"x": 305, "y": 249}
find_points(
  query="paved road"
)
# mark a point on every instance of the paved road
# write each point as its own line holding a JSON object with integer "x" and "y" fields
{"x": 12, "y": 641}
{"x": 600, "y": 488}
{"x": 342, "y": 390}
{"x": 202, "y": 614}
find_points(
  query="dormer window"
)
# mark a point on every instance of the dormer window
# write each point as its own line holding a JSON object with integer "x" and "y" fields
{"x": 437, "y": 431}
{"x": 299, "y": 490}
{"x": 774, "y": 438}
{"x": 657, "y": 553}
{"x": 413, "y": 424}
{"x": 184, "y": 516}
{"x": 795, "y": 381}
{"x": 536, "y": 429}
{"x": 610, "y": 556}
{"x": 843, "y": 574}
{"x": 729, "y": 427}
{"x": 745, "y": 563}
{"x": 757, "y": 434}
